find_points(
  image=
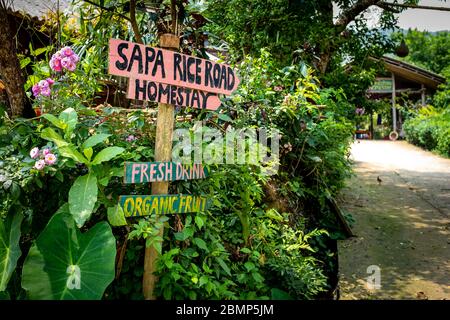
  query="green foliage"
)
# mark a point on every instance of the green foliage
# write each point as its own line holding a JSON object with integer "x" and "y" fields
{"x": 430, "y": 50}
{"x": 82, "y": 198}
{"x": 116, "y": 216}
{"x": 430, "y": 129}
{"x": 149, "y": 230}
{"x": 67, "y": 264}
{"x": 250, "y": 244}
{"x": 9, "y": 247}
{"x": 248, "y": 26}
{"x": 442, "y": 97}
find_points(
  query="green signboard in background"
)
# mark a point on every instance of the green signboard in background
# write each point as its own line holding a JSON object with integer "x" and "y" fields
{"x": 381, "y": 85}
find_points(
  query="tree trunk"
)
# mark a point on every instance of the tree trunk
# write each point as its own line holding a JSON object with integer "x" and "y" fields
{"x": 9, "y": 66}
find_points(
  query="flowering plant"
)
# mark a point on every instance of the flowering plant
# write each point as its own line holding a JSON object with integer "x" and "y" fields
{"x": 43, "y": 87}
{"x": 44, "y": 157}
{"x": 64, "y": 59}
{"x": 359, "y": 111}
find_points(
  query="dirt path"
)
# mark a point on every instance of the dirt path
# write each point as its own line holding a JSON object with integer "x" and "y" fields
{"x": 402, "y": 225}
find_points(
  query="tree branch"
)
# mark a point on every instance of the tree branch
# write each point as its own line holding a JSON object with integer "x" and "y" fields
{"x": 412, "y": 6}
{"x": 388, "y": 8}
{"x": 173, "y": 11}
{"x": 134, "y": 25}
{"x": 351, "y": 13}
{"x": 108, "y": 9}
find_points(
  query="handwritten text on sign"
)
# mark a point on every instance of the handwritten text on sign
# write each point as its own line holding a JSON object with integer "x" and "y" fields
{"x": 170, "y": 94}
{"x": 188, "y": 81}
{"x": 143, "y": 205}
{"x": 142, "y": 172}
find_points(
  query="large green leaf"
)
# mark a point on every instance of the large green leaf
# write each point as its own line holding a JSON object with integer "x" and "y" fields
{"x": 71, "y": 152}
{"x": 70, "y": 118}
{"x": 116, "y": 216}
{"x": 95, "y": 139}
{"x": 82, "y": 198}
{"x": 67, "y": 264}
{"x": 9, "y": 247}
{"x": 107, "y": 154}
{"x": 54, "y": 120}
{"x": 52, "y": 135}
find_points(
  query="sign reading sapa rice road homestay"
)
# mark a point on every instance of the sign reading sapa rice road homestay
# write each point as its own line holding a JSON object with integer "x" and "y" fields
{"x": 170, "y": 77}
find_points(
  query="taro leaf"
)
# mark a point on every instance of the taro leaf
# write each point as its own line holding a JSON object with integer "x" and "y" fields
{"x": 107, "y": 154}
{"x": 116, "y": 216}
{"x": 82, "y": 198}
{"x": 65, "y": 264}
{"x": 9, "y": 247}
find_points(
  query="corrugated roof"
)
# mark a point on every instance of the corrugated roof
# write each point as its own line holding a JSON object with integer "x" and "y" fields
{"x": 37, "y": 8}
{"x": 412, "y": 72}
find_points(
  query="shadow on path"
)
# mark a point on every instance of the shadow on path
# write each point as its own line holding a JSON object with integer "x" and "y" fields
{"x": 402, "y": 224}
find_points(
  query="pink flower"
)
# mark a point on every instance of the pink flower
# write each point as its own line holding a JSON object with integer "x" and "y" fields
{"x": 68, "y": 64}
{"x": 50, "y": 159}
{"x": 67, "y": 51}
{"x": 40, "y": 164}
{"x": 46, "y": 91}
{"x": 34, "y": 153}
{"x": 43, "y": 87}
{"x": 36, "y": 90}
{"x": 46, "y": 151}
{"x": 43, "y": 84}
{"x": 57, "y": 55}
{"x": 64, "y": 58}
{"x": 71, "y": 66}
{"x": 130, "y": 138}
{"x": 75, "y": 58}
{"x": 278, "y": 88}
{"x": 50, "y": 81}
{"x": 55, "y": 63}
{"x": 359, "y": 111}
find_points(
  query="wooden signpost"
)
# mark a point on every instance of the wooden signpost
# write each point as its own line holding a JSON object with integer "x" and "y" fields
{"x": 170, "y": 78}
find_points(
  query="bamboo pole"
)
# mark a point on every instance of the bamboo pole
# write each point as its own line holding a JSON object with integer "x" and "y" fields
{"x": 163, "y": 152}
{"x": 394, "y": 111}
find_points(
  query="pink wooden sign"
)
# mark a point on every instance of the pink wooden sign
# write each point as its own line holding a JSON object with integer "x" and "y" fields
{"x": 137, "y": 61}
{"x": 165, "y": 93}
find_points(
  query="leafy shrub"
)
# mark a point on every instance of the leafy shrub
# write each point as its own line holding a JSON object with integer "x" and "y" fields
{"x": 430, "y": 129}
{"x": 244, "y": 247}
